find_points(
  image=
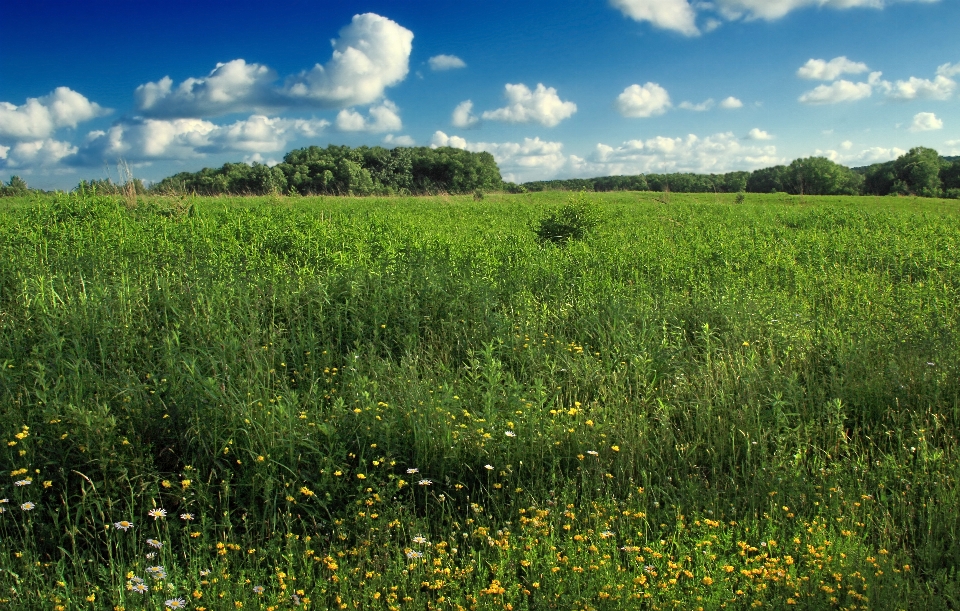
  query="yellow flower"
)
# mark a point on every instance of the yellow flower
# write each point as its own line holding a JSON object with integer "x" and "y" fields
{"x": 185, "y": 483}
{"x": 260, "y": 459}
{"x": 306, "y": 491}
{"x": 361, "y": 476}
{"x": 166, "y": 483}
{"x": 47, "y": 484}
{"x": 707, "y": 581}
{"x": 615, "y": 448}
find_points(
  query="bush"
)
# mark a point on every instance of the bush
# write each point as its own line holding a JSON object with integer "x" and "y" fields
{"x": 572, "y": 221}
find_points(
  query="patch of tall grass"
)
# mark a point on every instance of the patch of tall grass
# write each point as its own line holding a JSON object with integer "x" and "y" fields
{"x": 415, "y": 403}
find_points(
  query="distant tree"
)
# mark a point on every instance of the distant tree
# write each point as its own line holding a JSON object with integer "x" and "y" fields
{"x": 768, "y": 180}
{"x": 15, "y": 186}
{"x": 919, "y": 172}
{"x": 820, "y": 176}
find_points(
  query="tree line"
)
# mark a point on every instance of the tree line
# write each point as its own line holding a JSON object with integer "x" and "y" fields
{"x": 342, "y": 170}
{"x": 921, "y": 171}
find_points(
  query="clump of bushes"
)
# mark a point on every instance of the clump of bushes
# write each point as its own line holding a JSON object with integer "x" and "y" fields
{"x": 571, "y": 221}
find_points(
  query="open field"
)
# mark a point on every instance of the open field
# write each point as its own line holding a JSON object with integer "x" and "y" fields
{"x": 412, "y": 403}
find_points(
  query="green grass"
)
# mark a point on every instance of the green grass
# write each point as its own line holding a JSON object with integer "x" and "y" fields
{"x": 702, "y": 404}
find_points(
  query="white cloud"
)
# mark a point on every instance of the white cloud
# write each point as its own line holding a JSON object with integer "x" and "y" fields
{"x": 532, "y": 159}
{"x": 153, "y": 139}
{"x": 836, "y": 92}
{"x": 463, "y": 115}
{"x": 647, "y": 101}
{"x": 35, "y": 154}
{"x": 39, "y": 117}
{"x": 676, "y": 15}
{"x": 731, "y": 103}
{"x": 846, "y": 145}
{"x": 868, "y": 156}
{"x": 717, "y": 153}
{"x": 758, "y": 134}
{"x": 940, "y": 88}
{"x": 541, "y": 105}
{"x": 821, "y": 70}
{"x": 446, "y": 62}
{"x": 948, "y": 70}
{"x": 371, "y": 54}
{"x": 925, "y": 121}
{"x": 233, "y": 86}
{"x": 701, "y": 107}
{"x": 399, "y": 140}
{"x": 381, "y": 118}
{"x": 775, "y": 9}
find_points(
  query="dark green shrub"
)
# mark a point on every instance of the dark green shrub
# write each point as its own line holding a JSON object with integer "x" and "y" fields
{"x": 572, "y": 221}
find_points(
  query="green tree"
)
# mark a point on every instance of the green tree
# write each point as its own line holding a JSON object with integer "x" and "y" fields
{"x": 919, "y": 172}
{"x": 820, "y": 176}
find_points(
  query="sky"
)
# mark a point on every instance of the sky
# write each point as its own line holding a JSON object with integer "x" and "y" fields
{"x": 558, "y": 89}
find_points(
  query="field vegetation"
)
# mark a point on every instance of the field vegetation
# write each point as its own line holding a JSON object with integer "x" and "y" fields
{"x": 431, "y": 403}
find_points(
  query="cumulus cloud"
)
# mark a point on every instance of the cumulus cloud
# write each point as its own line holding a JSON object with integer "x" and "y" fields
{"x": 233, "y": 86}
{"x": 775, "y": 9}
{"x": 541, "y": 105}
{"x": 398, "y": 140}
{"x": 717, "y": 153}
{"x": 676, "y": 15}
{"x": 837, "y": 92}
{"x": 38, "y": 118}
{"x": 818, "y": 69}
{"x": 439, "y": 63}
{"x": 647, "y": 101}
{"x": 948, "y": 70}
{"x": 925, "y": 122}
{"x": 35, "y": 154}
{"x": 731, "y": 103}
{"x": 532, "y": 159}
{"x": 155, "y": 139}
{"x": 874, "y": 154}
{"x": 681, "y": 15}
{"x": 463, "y": 115}
{"x": 371, "y": 54}
{"x": 535, "y": 159}
{"x": 381, "y": 118}
{"x": 940, "y": 88}
{"x": 701, "y": 107}
{"x": 758, "y": 134}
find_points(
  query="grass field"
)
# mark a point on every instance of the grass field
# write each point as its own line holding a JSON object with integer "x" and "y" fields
{"x": 413, "y": 404}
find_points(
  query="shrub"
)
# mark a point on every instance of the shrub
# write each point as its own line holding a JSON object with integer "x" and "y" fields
{"x": 572, "y": 221}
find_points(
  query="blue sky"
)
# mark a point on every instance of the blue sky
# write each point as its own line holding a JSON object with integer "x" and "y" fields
{"x": 552, "y": 89}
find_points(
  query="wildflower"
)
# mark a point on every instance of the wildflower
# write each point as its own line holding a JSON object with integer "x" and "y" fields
{"x": 139, "y": 588}
{"x": 185, "y": 483}
{"x": 186, "y": 516}
{"x": 615, "y": 448}
{"x": 412, "y": 554}
{"x": 175, "y": 603}
{"x": 419, "y": 539}
{"x": 606, "y": 534}
{"x": 157, "y": 513}
{"x": 306, "y": 491}
{"x": 204, "y": 572}
{"x": 151, "y": 555}
{"x": 510, "y": 434}
{"x": 707, "y": 581}
{"x": 28, "y": 506}
{"x": 123, "y": 525}
{"x": 592, "y": 452}
{"x": 48, "y": 483}
{"x": 488, "y": 467}
{"x": 412, "y": 470}
{"x": 157, "y": 572}
{"x": 154, "y": 543}
{"x": 23, "y": 482}
{"x": 425, "y": 482}
{"x": 258, "y": 589}
{"x": 361, "y": 476}
{"x": 649, "y": 568}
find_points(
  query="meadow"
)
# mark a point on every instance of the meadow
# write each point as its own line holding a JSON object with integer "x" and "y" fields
{"x": 412, "y": 403}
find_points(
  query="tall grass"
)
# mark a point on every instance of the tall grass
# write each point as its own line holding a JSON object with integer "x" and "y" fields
{"x": 414, "y": 403}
